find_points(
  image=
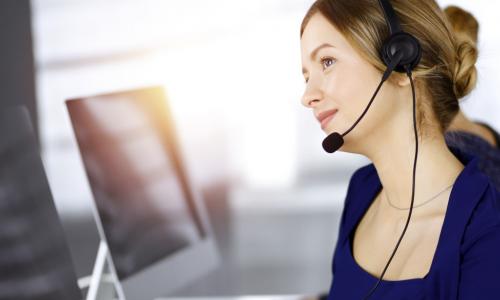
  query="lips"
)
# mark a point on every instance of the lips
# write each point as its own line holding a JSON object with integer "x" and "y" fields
{"x": 326, "y": 117}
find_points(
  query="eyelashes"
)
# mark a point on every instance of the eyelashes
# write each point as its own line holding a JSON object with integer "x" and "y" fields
{"x": 326, "y": 62}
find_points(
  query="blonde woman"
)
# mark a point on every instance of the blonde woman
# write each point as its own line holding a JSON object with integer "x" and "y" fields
{"x": 451, "y": 247}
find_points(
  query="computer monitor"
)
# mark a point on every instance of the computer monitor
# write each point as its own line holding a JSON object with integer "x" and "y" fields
{"x": 35, "y": 261}
{"x": 147, "y": 210}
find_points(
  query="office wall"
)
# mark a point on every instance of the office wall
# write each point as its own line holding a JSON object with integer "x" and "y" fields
{"x": 216, "y": 61}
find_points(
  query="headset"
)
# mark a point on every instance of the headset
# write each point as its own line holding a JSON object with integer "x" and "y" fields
{"x": 400, "y": 52}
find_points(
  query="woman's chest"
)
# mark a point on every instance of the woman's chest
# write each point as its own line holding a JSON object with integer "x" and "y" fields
{"x": 374, "y": 241}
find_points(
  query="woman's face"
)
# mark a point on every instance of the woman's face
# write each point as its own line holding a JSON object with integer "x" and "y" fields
{"x": 340, "y": 83}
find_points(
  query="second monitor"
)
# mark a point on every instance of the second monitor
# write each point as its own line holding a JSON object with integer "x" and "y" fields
{"x": 147, "y": 210}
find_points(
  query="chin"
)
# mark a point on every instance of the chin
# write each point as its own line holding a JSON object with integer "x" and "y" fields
{"x": 330, "y": 129}
{"x": 334, "y": 126}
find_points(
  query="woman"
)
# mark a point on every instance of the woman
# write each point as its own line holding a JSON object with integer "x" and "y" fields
{"x": 451, "y": 247}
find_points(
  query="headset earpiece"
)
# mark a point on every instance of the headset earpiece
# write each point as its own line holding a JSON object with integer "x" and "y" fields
{"x": 398, "y": 40}
{"x": 409, "y": 46}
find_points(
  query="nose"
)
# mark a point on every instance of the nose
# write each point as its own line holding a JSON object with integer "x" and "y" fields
{"x": 312, "y": 95}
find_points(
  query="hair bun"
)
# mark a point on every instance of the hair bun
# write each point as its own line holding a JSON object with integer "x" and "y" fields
{"x": 465, "y": 73}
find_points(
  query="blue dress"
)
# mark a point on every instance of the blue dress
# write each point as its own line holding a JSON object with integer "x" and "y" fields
{"x": 466, "y": 264}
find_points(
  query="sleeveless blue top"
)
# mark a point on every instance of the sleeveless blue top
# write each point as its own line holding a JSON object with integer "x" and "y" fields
{"x": 466, "y": 263}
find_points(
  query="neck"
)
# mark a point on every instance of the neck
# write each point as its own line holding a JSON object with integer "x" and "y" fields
{"x": 437, "y": 168}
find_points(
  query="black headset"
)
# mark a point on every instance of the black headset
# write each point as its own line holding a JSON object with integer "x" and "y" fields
{"x": 398, "y": 41}
{"x": 400, "y": 52}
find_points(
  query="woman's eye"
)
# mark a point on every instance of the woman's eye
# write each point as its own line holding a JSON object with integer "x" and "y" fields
{"x": 327, "y": 62}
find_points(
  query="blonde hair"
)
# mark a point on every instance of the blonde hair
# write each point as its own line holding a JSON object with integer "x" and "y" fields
{"x": 446, "y": 71}
{"x": 464, "y": 24}
{"x": 465, "y": 27}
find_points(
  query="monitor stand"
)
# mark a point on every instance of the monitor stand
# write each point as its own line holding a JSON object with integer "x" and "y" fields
{"x": 101, "y": 285}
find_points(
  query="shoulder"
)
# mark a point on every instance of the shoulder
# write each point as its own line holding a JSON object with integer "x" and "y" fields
{"x": 488, "y": 156}
{"x": 473, "y": 145}
{"x": 494, "y": 133}
{"x": 464, "y": 139}
{"x": 484, "y": 221}
{"x": 480, "y": 248}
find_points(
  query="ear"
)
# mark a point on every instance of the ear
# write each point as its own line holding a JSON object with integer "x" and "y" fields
{"x": 403, "y": 80}
{"x": 400, "y": 79}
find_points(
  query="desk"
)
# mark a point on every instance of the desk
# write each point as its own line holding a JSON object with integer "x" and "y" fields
{"x": 255, "y": 297}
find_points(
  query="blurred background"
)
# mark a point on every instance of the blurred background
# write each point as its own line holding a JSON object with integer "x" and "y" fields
{"x": 231, "y": 70}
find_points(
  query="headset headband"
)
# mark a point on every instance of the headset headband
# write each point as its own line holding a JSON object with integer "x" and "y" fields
{"x": 390, "y": 17}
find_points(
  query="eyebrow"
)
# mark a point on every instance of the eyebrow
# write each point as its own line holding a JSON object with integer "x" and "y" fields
{"x": 315, "y": 52}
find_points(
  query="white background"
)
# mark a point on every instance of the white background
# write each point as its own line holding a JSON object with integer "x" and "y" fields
{"x": 231, "y": 70}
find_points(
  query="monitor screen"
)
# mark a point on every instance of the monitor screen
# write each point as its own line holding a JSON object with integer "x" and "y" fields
{"x": 133, "y": 165}
{"x": 35, "y": 262}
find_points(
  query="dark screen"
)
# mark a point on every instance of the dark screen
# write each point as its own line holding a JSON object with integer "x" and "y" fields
{"x": 130, "y": 154}
{"x": 35, "y": 261}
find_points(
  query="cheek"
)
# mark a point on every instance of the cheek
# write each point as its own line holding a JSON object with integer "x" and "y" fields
{"x": 351, "y": 91}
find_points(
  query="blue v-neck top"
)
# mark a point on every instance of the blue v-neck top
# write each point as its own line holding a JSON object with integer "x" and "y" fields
{"x": 466, "y": 263}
